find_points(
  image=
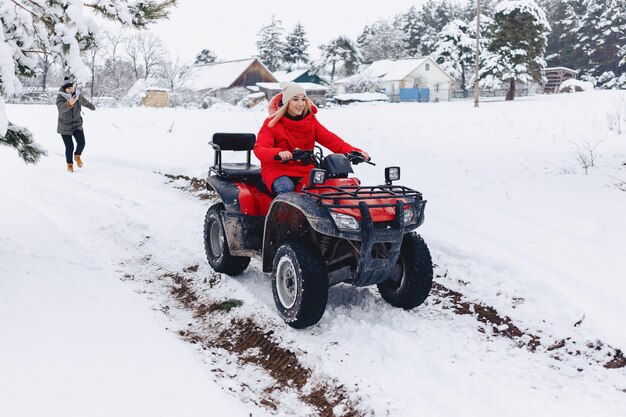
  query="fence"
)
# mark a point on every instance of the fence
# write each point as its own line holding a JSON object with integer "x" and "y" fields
{"x": 500, "y": 92}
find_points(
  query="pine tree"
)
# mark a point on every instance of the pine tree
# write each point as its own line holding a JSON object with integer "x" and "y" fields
{"x": 432, "y": 18}
{"x": 564, "y": 19}
{"x": 409, "y": 24}
{"x": 343, "y": 51}
{"x": 296, "y": 46}
{"x": 602, "y": 37}
{"x": 487, "y": 8}
{"x": 382, "y": 40}
{"x": 205, "y": 56}
{"x": 518, "y": 44}
{"x": 270, "y": 44}
{"x": 66, "y": 32}
{"x": 455, "y": 51}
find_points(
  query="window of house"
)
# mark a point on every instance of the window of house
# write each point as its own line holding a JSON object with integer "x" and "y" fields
{"x": 427, "y": 67}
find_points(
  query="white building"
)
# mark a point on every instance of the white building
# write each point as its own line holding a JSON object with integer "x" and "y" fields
{"x": 417, "y": 79}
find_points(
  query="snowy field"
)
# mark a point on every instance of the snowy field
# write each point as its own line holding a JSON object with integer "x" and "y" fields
{"x": 108, "y": 306}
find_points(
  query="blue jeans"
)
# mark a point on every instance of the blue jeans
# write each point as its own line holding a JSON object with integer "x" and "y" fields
{"x": 69, "y": 145}
{"x": 284, "y": 184}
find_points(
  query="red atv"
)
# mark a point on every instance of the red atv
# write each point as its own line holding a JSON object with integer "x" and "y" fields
{"x": 331, "y": 230}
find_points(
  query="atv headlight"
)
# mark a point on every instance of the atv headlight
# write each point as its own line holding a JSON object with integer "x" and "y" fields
{"x": 392, "y": 174}
{"x": 345, "y": 222}
{"x": 409, "y": 215}
{"x": 317, "y": 176}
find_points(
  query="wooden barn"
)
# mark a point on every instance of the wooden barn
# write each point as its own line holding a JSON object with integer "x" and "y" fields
{"x": 226, "y": 75}
{"x": 418, "y": 79}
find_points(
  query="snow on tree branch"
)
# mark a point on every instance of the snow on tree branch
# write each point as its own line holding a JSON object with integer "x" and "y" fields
{"x": 140, "y": 14}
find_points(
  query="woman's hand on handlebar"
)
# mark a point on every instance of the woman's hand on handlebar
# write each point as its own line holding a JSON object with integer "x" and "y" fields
{"x": 366, "y": 156}
{"x": 284, "y": 155}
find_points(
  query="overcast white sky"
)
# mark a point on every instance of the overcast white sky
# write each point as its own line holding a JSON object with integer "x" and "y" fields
{"x": 229, "y": 28}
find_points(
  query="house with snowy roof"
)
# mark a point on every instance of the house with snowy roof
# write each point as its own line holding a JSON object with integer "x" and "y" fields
{"x": 221, "y": 76}
{"x": 416, "y": 79}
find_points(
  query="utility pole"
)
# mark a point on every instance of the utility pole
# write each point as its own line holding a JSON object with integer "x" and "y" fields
{"x": 476, "y": 80}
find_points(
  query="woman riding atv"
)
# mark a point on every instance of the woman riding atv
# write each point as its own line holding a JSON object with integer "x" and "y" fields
{"x": 292, "y": 125}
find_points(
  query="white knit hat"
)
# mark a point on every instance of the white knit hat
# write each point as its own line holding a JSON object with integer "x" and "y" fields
{"x": 290, "y": 90}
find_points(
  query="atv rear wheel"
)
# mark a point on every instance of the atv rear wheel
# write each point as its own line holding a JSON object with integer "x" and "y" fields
{"x": 300, "y": 285}
{"x": 216, "y": 246}
{"x": 412, "y": 276}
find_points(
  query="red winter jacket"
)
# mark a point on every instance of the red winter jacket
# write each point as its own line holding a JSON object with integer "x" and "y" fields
{"x": 287, "y": 135}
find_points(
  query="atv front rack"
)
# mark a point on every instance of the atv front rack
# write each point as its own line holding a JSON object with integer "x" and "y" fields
{"x": 362, "y": 194}
{"x": 371, "y": 270}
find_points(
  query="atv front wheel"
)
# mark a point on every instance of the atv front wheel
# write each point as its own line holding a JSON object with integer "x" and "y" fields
{"x": 300, "y": 285}
{"x": 412, "y": 276}
{"x": 216, "y": 247}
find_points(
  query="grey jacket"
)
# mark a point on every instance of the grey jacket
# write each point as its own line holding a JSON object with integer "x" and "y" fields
{"x": 70, "y": 118}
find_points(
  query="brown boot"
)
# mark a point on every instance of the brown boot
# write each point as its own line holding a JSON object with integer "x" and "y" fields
{"x": 70, "y": 167}
{"x": 78, "y": 161}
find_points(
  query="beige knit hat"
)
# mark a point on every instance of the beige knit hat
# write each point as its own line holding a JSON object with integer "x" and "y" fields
{"x": 290, "y": 90}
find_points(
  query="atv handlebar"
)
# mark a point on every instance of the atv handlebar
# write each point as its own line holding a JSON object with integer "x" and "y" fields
{"x": 355, "y": 158}
{"x": 309, "y": 157}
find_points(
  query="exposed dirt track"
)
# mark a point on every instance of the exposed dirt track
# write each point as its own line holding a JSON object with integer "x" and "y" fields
{"x": 254, "y": 346}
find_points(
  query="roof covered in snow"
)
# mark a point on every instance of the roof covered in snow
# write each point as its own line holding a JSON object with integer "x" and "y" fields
{"x": 306, "y": 86}
{"x": 549, "y": 69}
{"x": 218, "y": 75}
{"x": 392, "y": 70}
{"x": 151, "y": 84}
{"x": 289, "y": 75}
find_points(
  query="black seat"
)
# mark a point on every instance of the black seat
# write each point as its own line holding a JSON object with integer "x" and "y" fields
{"x": 234, "y": 142}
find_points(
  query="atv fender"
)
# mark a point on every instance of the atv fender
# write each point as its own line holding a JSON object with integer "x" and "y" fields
{"x": 226, "y": 190}
{"x": 243, "y": 232}
{"x": 289, "y": 217}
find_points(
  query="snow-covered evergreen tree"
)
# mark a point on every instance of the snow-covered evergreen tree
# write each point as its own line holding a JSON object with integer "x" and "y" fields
{"x": 487, "y": 8}
{"x": 602, "y": 37}
{"x": 409, "y": 24}
{"x": 517, "y": 48}
{"x": 564, "y": 19}
{"x": 341, "y": 52}
{"x": 296, "y": 46}
{"x": 205, "y": 56}
{"x": 66, "y": 31}
{"x": 455, "y": 51}
{"x": 432, "y": 17}
{"x": 270, "y": 44}
{"x": 382, "y": 40}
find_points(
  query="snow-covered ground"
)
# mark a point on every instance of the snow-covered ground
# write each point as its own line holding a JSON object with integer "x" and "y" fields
{"x": 103, "y": 276}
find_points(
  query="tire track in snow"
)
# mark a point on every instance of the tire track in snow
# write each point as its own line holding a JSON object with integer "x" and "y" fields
{"x": 235, "y": 364}
{"x": 596, "y": 352}
{"x": 239, "y": 343}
